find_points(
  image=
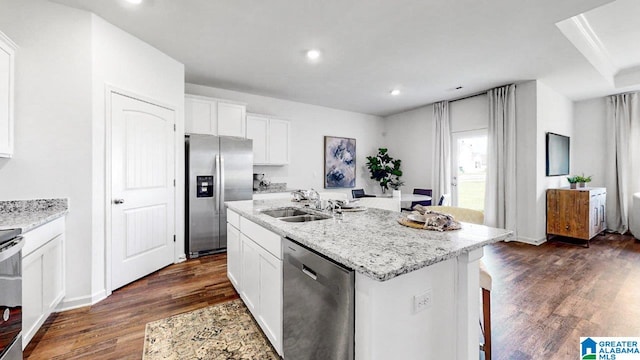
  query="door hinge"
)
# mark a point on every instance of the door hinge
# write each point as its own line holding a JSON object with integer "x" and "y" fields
{"x": 174, "y": 127}
{"x": 174, "y": 182}
{"x": 174, "y": 237}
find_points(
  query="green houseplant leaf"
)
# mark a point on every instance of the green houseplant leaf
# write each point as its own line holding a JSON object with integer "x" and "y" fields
{"x": 385, "y": 170}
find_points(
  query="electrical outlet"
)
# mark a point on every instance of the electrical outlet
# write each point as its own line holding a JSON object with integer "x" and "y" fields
{"x": 422, "y": 301}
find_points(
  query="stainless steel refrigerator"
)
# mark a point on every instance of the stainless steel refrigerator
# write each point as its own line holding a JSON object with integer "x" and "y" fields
{"x": 218, "y": 169}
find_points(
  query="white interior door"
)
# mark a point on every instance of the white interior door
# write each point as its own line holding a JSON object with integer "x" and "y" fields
{"x": 142, "y": 189}
{"x": 469, "y": 169}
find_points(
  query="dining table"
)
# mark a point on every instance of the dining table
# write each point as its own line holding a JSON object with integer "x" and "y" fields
{"x": 407, "y": 199}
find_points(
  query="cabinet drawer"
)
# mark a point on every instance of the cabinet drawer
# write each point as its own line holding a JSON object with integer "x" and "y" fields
{"x": 268, "y": 240}
{"x": 39, "y": 236}
{"x": 233, "y": 218}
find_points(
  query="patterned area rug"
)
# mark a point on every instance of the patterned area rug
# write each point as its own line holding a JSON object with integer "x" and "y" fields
{"x": 223, "y": 331}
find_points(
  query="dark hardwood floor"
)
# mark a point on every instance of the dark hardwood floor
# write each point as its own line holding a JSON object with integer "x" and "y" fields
{"x": 114, "y": 327}
{"x": 544, "y": 298}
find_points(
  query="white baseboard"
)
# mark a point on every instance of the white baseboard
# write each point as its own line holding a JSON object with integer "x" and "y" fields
{"x": 531, "y": 241}
{"x": 81, "y": 301}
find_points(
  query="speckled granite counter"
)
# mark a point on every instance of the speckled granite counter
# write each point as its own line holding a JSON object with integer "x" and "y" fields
{"x": 273, "y": 188}
{"x": 372, "y": 242}
{"x": 29, "y": 214}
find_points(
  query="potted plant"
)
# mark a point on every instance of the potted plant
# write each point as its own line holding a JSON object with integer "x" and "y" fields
{"x": 584, "y": 180}
{"x": 573, "y": 181}
{"x": 396, "y": 187}
{"x": 385, "y": 170}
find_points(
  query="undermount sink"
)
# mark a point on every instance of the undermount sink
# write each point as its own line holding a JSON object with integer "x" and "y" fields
{"x": 280, "y": 213}
{"x": 295, "y": 215}
{"x": 305, "y": 218}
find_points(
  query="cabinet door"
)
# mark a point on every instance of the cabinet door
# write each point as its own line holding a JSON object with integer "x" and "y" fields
{"x": 32, "y": 282}
{"x": 53, "y": 276}
{"x": 7, "y": 52}
{"x": 603, "y": 211}
{"x": 231, "y": 119}
{"x": 580, "y": 213}
{"x": 234, "y": 265}
{"x": 599, "y": 206}
{"x": 250, "y": 290}
{"x": 257, "y": 130}
{"x": 200, "y": 116}
{"x": 278, "y": 141}
{"x": 553, "y": 220}
{"x": 271, "y": 298}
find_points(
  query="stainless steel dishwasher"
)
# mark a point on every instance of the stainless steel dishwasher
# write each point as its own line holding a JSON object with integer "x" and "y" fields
{"x": 319, "y": 306}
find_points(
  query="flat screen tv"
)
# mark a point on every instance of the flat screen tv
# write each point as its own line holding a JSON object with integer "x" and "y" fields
{"x": 557, "y": 154}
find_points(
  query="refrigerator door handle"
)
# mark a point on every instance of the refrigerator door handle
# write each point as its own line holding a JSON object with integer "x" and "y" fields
{"x": 221, "y": 189}
{"x": 217, "y": 183}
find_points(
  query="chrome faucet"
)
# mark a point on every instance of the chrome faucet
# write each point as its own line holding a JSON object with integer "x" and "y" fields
{"x": 314, "y": 197}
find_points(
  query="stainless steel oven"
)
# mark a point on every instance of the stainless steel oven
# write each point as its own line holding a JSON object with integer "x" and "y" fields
{"x": 11, "y": 294}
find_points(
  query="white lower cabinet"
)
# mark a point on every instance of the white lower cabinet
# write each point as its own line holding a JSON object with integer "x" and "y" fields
{"x": 234, "y": 269}
{"x": 270, "y": 315}
{"x": 42, "y": 276}
{"x": 250, "y": 290}
{"x": 254, "y": 267}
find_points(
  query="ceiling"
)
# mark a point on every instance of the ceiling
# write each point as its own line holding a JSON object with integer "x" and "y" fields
{"x": 424, "y": 48}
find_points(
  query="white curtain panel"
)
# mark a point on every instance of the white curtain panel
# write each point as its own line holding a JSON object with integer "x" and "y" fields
{"x": 442, "y": 151}
{"x": 500, "y": 194}
{"x": 623, "y": 158}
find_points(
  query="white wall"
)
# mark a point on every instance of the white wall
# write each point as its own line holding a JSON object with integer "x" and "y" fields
{"x": 555, "y": 114}
{"x": 409, "y": 137}
{"x": 539, "y": 109}
{"x": 124, "y": 62}
{"x": 65, "y": 58}
{"x": 526, "y": 161}
{"x": 588, "y": 144}
{"x": 469, "y": 114}
{"x": 309, "y": 125}
{"x": 53, "y": 120}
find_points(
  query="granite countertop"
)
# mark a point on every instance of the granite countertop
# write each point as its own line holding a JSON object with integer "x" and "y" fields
{"x": 273, "y": 188}
{"x": 372, "y": 242}
{"x": 29, "y": 214}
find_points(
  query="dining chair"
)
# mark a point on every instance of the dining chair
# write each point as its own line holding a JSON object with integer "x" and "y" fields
{"x": 359, "y": 193}
{"x": 475, "y": 217}
{"x": 445, "y": 200}
{"x": 427, "y": 192}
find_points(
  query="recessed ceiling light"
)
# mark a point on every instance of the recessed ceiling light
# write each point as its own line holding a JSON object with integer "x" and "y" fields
{"x": 313, "y": 54}
{"x": 394, "y": 92}
{"x": 135, "y": 2}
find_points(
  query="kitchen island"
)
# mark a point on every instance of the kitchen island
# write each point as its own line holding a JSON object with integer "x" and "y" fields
{"x": 394, "y": 265}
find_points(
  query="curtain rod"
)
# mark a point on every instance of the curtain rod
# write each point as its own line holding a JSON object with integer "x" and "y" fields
{"x": 469, "y": 96}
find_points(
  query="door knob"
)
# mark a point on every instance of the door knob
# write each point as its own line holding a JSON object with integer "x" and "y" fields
{"x": 118, "y": 201}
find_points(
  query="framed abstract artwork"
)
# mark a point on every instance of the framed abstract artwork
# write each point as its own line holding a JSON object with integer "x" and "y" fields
{"x": 339, "y": 162}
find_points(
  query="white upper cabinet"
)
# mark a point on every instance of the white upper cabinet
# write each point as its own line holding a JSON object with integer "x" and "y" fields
{"x": 231, "y": 119}
{"x": 7, "y": 73}
{"x": 257, "y": 130}
{"x": 270, "y": 139}
{"x": 214, "y": 117}
{"x": 278, "y": 141}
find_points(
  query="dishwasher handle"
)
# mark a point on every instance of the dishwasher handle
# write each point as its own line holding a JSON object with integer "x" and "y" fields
{"x": 309, "y": 272}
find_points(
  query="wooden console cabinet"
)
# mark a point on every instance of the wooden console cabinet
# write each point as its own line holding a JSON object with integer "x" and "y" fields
{"x": 576, "y": 213}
